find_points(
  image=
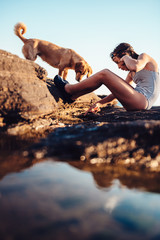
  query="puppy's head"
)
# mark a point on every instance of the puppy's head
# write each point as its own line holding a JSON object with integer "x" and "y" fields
{"x": 82, "y": 68}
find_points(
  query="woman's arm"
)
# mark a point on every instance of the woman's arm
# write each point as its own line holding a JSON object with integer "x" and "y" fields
{"x": 96, "y": 106}
{"x": 107, "y": 99}
{"x": 129, "y": 78}
{"x": 135, "y": 64}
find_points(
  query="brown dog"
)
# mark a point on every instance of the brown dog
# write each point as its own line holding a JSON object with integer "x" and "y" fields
{"x": 58, "y": 57}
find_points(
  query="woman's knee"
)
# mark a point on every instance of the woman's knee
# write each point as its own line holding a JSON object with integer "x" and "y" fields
{"x": 104, "y": 73}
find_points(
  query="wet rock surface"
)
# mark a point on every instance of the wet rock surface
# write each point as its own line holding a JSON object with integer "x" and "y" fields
{"x": 132, "y": 142}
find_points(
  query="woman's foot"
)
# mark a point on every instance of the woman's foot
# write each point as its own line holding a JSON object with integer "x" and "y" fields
{"x": 60, "y": 84}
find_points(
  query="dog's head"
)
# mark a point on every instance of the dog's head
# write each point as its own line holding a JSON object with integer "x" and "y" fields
{"x": 82, "y": 68}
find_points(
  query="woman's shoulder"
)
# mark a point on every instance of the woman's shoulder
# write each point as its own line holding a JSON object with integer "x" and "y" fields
{"x": 151, "y": 64}
{"x": 144, "y": 56}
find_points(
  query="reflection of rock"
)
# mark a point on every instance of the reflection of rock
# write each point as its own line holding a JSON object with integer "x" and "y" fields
{"x": 104, "y": 176}
{"x": 10, "y": 160}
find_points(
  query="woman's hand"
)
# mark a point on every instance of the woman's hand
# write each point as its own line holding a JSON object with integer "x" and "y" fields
{"x": 125, "y": 58}
{"x": 129, "y": 62}
{"x": 94, "y": 108}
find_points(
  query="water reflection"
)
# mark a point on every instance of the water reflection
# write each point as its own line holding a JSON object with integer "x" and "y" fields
{"x": 54, "y": 200}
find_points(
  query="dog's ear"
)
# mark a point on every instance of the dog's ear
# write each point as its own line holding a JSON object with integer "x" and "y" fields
{"x": 89, "y": 71}
{"x": 80, "y": 67}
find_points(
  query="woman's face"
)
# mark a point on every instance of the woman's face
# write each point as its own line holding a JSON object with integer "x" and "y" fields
{"x": 120, "y": 63}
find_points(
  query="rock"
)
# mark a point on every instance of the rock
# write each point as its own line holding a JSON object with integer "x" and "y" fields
{"x": 23, "y": 91}
{"x": 132, "y": 141}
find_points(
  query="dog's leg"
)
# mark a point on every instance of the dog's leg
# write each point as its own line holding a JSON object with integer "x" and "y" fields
{"x": 65, "y": 73}
{"x": 60, "y": 72}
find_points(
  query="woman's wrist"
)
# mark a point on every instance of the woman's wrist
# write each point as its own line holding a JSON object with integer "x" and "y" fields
{"x": 125, "y": 57}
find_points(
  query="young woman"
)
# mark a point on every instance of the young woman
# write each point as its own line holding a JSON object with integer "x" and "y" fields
{"x": 143, "y": 70}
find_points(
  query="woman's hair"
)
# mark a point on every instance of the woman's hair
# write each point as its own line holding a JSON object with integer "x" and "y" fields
{"x": 122, "y": 49}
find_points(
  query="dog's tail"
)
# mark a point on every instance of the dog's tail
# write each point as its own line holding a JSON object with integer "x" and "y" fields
{"x": 19, "y": 30}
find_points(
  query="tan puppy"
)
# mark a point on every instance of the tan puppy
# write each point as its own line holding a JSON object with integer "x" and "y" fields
{"x": 58, "y": 57}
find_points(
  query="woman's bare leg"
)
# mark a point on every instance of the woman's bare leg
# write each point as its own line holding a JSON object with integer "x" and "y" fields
{"x": 128, "y": 97}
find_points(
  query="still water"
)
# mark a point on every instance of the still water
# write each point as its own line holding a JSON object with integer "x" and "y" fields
{"x": 54, "y": 200}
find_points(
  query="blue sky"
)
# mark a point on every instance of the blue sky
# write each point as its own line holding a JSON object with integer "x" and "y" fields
{"x": 91, "y": 27}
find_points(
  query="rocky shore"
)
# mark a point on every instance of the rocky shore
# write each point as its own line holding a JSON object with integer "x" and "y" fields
{"x": 113, "y": 137}
{"x": 35, "y": 117}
